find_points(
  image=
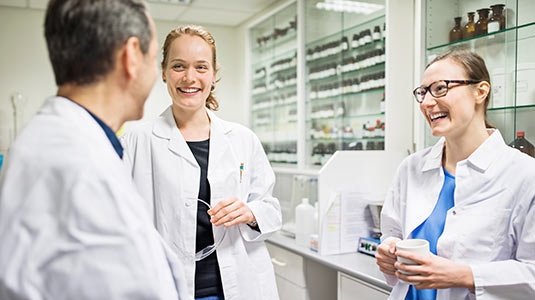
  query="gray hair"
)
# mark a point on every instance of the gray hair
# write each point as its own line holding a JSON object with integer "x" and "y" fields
{"x": 83, "y": 36}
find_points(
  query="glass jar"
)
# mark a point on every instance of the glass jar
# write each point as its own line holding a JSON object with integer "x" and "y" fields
{"x": 456, "y": 33}
{"x": 482, "y": 22}
{"x": 497, "y": 20}
{"x": 469, "y": 29}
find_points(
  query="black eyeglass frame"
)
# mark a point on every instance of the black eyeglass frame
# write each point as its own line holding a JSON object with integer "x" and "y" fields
{"x": 448, "y": 81}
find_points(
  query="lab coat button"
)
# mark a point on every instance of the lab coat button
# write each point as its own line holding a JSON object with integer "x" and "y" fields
{"x": 454, "y": 212}
{"x": 188, "y": 204}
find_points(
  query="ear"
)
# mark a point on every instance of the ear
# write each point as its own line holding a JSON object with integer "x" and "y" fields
{"x": 132, "y": 56}
{"x": 482, "y": 91}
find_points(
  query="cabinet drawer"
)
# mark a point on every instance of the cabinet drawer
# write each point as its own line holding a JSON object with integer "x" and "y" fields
{"x": 287, "y": 264}
{"x": 290, "y": 291}
{"x": 350, "y": 288}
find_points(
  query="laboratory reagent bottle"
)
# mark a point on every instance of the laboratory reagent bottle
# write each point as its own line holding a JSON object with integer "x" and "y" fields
{"x": 304, "y": 222}
{"x": 522, "y": 144}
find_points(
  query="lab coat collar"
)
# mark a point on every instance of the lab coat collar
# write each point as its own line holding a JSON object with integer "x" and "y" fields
{"x": 165, "y": 127}
{"x": 434, "y": 159}
{"x": 480, "y": 159}
{"x": 486, "y": 153}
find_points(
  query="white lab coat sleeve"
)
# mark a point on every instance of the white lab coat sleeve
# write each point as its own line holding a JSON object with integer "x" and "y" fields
{"x": 264, "y": 206}
{"x": 140, "y": 169}
{"x": 390, "y": 216}
{"x": 514, "y": 278}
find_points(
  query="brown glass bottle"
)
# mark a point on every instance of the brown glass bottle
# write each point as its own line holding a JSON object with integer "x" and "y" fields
{"x": 469, "y": 29}
{"x": 482, "y": 22}
{"x": 522, "y": 144}
{"x": 456, "y": 33}
{"x": 497, "y": 20}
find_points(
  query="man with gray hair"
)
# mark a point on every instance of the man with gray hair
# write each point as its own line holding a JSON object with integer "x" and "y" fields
{"x": 72, "y": 225}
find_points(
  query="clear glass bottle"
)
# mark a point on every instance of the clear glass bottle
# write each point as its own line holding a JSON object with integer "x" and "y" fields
{"x": 456, "y": 33}
{"x": 482, "y": 21}
{"x": 469, "y": 29}
{"x": 497, "y": 20}
{"x": 522, "y": 144}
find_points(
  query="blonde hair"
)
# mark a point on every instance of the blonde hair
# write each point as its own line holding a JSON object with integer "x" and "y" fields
{"x": 194, "y": 30}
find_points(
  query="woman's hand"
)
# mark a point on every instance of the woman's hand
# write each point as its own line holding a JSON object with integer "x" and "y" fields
{"x": 434, "y": 272}
{"x": 231, "y": 211}
{"x": 385, "y": 256}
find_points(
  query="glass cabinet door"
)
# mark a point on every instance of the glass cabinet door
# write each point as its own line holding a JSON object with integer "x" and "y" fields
{"x": 506, "y": 43}
{"x": 345, "y": 81}
{"x": 274, "y": 84}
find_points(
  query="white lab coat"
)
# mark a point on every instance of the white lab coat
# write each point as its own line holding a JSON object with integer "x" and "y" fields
{"x": 72, "y": 225}
{"x": 490, "y": 226}
{"x": 168, "y": 177}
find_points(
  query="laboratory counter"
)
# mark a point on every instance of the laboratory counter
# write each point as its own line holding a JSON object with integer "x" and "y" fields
{"x": 358, "y": 265}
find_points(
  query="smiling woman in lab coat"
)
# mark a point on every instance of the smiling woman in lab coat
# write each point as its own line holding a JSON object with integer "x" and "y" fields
{"x": 188, "y": 153}
{"x": 470, "y": 195}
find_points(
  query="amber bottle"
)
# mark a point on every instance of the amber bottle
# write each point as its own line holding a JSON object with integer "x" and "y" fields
{"x": 456, "y": 33}
{"x": 497, "y": 20}
{"x": 482, "y": 22}
{"x": 469, "y": 29}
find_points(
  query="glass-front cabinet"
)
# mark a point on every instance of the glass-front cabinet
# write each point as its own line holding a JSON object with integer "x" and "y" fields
{"x": 503, "y": 33}
{"x": 274, "y": 84}
{"x": 319, "y": 80}
{"x": 345, "y": 80}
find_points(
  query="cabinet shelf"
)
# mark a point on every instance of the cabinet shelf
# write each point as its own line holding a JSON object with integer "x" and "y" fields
{"x": 340, "y": 74}
{"x": 374, "y": 45}
{"x": 488, "y": 39}
{"x": 273, "y": 106}
{"x": 275, "y": 90}
{"x": 518, "y": 107}
{"x": 346, "y": 96}
{"x": 363, "y": 25}
{"x": 346, "y": 117}
{"x": 267, "y": 62}
{"x": 272, "y": 44}
{"x": 346, "y": 139}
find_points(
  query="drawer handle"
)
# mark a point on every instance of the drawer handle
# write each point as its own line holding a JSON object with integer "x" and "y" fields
{"x": 278, "y": 262}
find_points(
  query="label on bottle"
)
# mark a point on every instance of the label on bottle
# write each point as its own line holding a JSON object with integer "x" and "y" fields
{"x": 493, "y": 26}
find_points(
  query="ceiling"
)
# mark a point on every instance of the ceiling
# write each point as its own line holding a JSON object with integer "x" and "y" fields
{"x": 218, "y": 12}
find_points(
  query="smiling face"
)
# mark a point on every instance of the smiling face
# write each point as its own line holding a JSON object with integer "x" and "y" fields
{"x": 189, "y": 72}
{"x": 461, "y": 110}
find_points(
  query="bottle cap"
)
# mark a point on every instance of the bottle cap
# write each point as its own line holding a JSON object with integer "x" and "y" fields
{"x": 520, "y": 133}
{"x": 305, "y": 200}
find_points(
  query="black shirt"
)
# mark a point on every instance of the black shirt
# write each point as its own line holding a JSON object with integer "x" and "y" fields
{"x": 207, "y": 275}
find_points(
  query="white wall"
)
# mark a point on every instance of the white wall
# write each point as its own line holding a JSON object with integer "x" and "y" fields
{"x": 25, "y": 68}
{"x": 24, "y": 65}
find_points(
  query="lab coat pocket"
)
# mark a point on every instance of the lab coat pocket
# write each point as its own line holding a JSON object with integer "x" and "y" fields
{"x": 224, "y": 183}
{"x": 486, "y": 234}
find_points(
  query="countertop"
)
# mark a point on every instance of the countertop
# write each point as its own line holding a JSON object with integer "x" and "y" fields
{"x": 358, "y": 265}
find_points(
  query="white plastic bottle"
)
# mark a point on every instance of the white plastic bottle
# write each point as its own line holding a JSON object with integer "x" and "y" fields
{"x": 304, "y": 223}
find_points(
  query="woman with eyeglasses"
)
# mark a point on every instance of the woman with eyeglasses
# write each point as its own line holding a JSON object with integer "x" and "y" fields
{"x": 470, "y": 195}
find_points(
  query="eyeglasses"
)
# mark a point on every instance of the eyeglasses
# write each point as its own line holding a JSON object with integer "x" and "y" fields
{"x": 438, "y": 89}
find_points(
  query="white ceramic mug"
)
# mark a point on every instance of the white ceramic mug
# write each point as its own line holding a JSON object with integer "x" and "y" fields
{"x": 417, "y": 246}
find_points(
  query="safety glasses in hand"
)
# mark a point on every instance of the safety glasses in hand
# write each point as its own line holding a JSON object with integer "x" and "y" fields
{"x": 203, "y": 253}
